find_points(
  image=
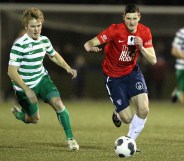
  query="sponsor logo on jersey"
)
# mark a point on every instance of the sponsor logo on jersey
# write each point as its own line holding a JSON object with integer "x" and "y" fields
{"x": 130, "y": 40}
{"x": 149, "y": 42}
{"x": 124, "y": 56}
{"x": 104, "y": 38}
{"x": 120, "y": 41}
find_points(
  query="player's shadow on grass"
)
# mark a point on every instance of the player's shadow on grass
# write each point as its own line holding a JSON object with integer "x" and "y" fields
{"x": 50, "y": 146}
{"x": 59, "y": 145}
{"x": 11, "y": 147}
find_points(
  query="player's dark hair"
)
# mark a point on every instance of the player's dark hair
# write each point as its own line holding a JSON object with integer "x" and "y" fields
{"x": 131, "y": 8}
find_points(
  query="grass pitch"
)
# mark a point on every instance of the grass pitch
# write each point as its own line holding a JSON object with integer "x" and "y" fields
{"x": 161, "y": 140}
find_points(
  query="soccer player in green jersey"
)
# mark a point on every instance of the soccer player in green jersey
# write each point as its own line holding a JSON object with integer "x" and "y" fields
{"x": 177, "y": 51}
{"x": 31, "y": 80}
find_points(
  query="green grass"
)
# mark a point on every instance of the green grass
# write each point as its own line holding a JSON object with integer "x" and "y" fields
{"x": 161, "y": 140}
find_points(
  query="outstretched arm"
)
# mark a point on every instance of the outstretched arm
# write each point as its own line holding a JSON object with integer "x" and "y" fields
{"x": 92, "y": 45}
{"x": 177, "y": 53}
{"x": 61, "y": 62}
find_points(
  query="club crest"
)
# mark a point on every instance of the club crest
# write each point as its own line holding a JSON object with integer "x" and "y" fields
{"x": 139, "y": 85}
{"x": 119, "y": 102}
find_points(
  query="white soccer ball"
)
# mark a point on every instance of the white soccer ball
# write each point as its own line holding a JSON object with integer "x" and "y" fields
{"x": 125, "y": 147}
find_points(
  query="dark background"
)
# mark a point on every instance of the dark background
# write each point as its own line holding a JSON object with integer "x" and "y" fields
{"x": 142, "y": 2}
{"x": 69, "y": 30}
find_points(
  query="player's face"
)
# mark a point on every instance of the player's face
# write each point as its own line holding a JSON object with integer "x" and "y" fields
{"x": 131, "y": 21}
{"x": 34, "y": 28}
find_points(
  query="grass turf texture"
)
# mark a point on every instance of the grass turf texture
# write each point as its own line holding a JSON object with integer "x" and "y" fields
{"x": 161, "y": 140}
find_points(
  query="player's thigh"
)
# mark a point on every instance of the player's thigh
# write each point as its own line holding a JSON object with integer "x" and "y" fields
{"x": 137, "y": 84}
{"x": 48, "y": 90}
{"x": 117, "y": 90}
{"x": 32, "y": 110}
{"x": 141, "y": 104}
{"x": 180, "y": 79}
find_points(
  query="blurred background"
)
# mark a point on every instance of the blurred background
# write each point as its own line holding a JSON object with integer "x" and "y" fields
{"x": 70, "y": 24}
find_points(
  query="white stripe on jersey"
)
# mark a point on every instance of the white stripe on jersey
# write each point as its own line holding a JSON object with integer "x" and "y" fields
{"x": 31, "y": 63}
{"x": 31, "y": 70}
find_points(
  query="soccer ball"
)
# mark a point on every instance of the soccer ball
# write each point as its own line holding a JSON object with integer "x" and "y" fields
{"x": 125, "y": 147}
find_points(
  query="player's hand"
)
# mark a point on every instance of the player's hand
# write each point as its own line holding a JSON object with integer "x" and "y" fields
{"x": 31, "y": 95}
{"x": 95, "y": 49}
{"x": 73, "y": 72}
{"x": 138, "y": 41}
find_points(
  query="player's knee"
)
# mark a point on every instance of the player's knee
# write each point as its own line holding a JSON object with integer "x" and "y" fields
{"x": 143, "y": 113}
{"x": 34, "y": 120}
{"x": 126, "y": 120}
{"x": 126, "y": 115}
{"x": 57, "y": 104}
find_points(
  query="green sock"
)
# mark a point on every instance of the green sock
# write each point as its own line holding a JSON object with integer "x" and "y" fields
{"x": 178, "y": 92}
{"x": 21, "y": 116}
{"x": 64, "y": 120}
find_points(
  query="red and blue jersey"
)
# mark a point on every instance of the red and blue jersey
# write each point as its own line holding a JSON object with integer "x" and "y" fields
{"x": 120, "y": 58}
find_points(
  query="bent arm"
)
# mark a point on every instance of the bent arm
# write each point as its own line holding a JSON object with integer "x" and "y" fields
{"x": 177, "y": 53}
{"x": 58, "y": 59}
{"x": 14, "y": 75}
{"x": 149, "y": 54}
{"x": 92, "y": 45}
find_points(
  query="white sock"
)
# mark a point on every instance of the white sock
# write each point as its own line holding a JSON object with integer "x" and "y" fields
{"x": 136, "y": 126}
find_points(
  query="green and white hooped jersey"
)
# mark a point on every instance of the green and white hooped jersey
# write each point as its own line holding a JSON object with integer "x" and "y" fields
{"x": 179, "y": 44}
{"x": 28, "y": 54}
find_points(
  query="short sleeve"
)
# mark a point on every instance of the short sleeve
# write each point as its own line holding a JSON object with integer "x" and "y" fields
{"x": 16, "y": 55}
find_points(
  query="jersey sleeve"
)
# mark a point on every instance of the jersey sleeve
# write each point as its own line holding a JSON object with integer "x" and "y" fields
{"x": 106, "y": 35}
{"x": 147, "y": 42}
{"x": 49, "y": 48}
{"x": 16, "y": 55}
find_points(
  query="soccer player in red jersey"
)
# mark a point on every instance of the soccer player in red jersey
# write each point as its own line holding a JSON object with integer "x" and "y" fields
{"x": 123, "y": 78}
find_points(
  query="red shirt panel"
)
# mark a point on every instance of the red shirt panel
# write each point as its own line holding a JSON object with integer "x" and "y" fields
{"x": 120, "y": 58}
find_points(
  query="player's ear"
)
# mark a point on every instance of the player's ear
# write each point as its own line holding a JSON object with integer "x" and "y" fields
{"x": 123, "y": 15}
{"x": 139, "y": 15}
